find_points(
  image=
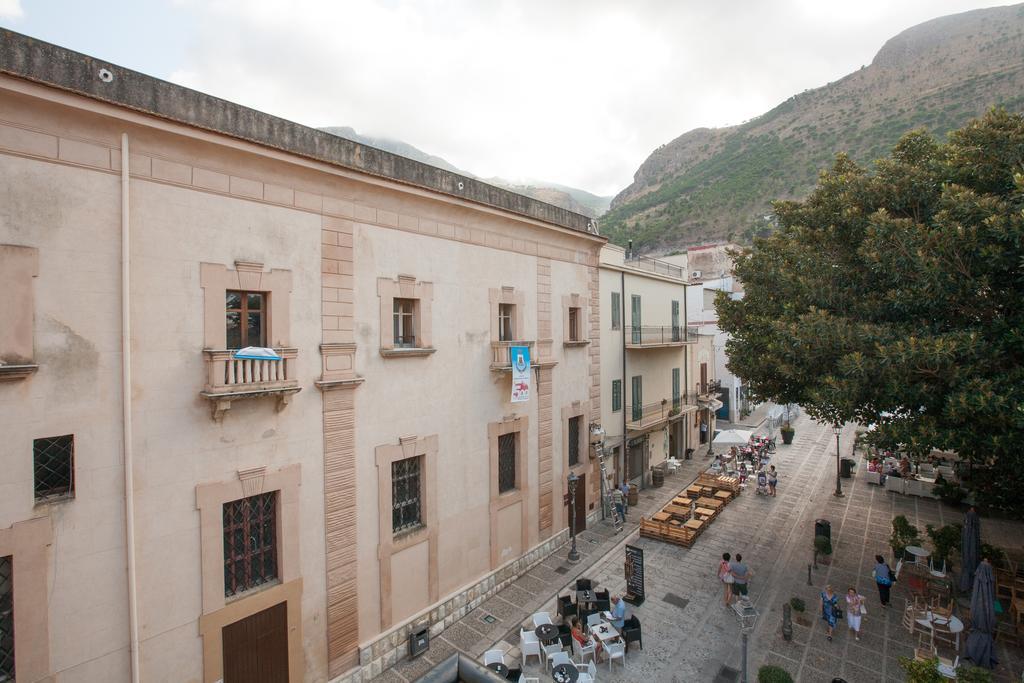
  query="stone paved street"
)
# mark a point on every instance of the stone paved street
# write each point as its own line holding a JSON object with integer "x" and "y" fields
{"x": 688, "y": 634}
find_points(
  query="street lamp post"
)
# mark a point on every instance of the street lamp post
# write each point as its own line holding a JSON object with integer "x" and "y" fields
{"x": 574, "y": 554}
{"x": 837, "y": 429}
{"x": 747, "y": 615}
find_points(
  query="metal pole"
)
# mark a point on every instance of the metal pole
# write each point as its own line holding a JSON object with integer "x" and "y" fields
{"x": 839, "y": 485}
{"x": 574, "y": 554}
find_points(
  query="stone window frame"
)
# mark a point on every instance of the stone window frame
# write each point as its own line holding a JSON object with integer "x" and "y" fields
{"x": 19, "y": 266}
{"x": 508, "y": 295}
{"x": 27, "y": 543}
{"x": 579, "y": 302}
{"x": 216, "y": 280}
{"x": 406, "y": 287}
{"x": 220, "y": 611}
{"x": 575, "y": 409}
{"x": 389, "y": 542}
{"x": 520, "y": 425}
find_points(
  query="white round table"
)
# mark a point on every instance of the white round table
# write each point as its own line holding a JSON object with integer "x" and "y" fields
{"x": 956, "y": 626}
{"x": 918, "y": 552}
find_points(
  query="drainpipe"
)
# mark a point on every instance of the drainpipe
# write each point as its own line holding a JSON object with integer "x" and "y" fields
{"x": 622, "y": 317}
{"x": 126, "y": 408}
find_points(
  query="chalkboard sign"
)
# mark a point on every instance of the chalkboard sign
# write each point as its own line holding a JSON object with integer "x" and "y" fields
{"x": 634, "y": 575}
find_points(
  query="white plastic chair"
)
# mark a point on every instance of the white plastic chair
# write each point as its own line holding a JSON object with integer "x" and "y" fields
{"x": 615, "y": 651}
{"x": 494, "y": 657}
{"x": 936, "y": 571}
{"x": 582, "y": 651}
{"x": 588, "y": 672}
{"x": 559, "y": 658}
{"x": 530, "y": 649}
{"x": 946, "y": 667}
{"x": 523, "y": 678}
{"x": 541, "y": 618}
{"x": 593, "y": 619}
{"x": 551, "y": 650}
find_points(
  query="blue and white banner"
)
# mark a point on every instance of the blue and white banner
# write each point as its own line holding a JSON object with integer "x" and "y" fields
{"x": 520, "y": 357}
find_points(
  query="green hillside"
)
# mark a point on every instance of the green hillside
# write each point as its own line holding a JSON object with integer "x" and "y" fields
{"x": 711, "y": 185}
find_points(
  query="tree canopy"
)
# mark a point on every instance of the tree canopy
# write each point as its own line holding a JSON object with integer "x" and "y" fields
{"x": 895, "y": 296}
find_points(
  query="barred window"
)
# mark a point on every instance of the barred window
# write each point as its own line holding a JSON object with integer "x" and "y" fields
{"x": 406, "y": 494}
{"x": 53, "y": 465}
{"x": 574, "y": 440}
{"x": 250, "y": 542}
{"x": 506, "y": 462}
{"x": 6, "y": 619}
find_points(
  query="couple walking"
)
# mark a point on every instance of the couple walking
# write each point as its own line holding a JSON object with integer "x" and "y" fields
{"x": 831, "y": 613}
{"x": 735, "y": 577}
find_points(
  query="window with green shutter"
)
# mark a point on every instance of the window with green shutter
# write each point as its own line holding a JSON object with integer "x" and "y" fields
{"x": 616, "y": 310}
{"x": 616, "y": 395}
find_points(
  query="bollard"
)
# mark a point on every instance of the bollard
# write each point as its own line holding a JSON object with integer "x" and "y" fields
{"x": 809, "y": 576}
{"x": 787, "y": 623}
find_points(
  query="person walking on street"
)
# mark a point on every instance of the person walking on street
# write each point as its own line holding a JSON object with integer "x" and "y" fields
{"x": 725, "y": 576}
{"x": 854, "y": 611}
{"x": 617, "y": 502}
{"x": 740, "y": 576}
{"x": 625, "y": 498}
{"x": 829, "y": 605}
{"x": 773, "y": 480}
{"x": 884, "y": 578}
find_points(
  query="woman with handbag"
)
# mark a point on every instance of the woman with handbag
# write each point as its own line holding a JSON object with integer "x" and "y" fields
{"x": 884, "y": 578}
{"x": 725, "y": 576}
{"x": 829, "y": 610}
{"x": 854, "y": 610}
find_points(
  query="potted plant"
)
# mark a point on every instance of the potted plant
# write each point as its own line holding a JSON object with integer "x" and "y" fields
{"x": 773, "y": 674}
{"x": 822, "y": 549}
{"x": 787, "y": 432}
{"x": 945, "y": 541}
{"x": 965, "y": 673}
{"x": 949, "y": 492}
{"x": 922, "y": 670}
{"x": 903, "y": 534}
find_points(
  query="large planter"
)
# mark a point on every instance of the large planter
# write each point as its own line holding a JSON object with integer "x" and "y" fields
{"x": 787, "y": 436}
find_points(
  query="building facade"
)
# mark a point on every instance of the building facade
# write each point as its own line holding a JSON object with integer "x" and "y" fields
{"x": 178, "y": 509}
{"x": 646, "y": 367}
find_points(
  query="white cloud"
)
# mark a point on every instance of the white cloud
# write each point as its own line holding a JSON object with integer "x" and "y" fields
{"x": 11, "y": 9}
{"x": 576, "y": 91}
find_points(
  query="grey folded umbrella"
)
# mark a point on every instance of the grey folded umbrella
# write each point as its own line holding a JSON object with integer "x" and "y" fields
{"x": 970, "y": 549}
{"x": 980, "y": 647}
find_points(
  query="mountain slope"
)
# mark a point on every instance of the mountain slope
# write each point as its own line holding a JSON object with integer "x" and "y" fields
{"x": 717, "y": 184}
{"x": 566, "y": 197}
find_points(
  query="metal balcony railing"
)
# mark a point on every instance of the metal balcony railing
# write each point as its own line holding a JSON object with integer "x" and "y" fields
{"x": 648, "y": 415}
{"x": 654, "y": 335}
{"x": 656, "y": 266}
{"x": 709, "y": 387}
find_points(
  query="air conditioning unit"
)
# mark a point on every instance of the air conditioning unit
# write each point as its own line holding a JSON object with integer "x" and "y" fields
{"x": 695, "y": 273}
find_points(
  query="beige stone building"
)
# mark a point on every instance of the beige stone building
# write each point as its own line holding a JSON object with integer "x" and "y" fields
{"x": 650, "y": 366}
{"x": 174, "y": 510}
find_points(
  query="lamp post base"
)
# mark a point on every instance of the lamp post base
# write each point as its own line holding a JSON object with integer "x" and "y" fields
{"x": 574, "y": 555}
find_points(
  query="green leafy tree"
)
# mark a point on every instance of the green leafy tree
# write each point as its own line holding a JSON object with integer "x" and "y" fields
{"x": 896, "y": 297}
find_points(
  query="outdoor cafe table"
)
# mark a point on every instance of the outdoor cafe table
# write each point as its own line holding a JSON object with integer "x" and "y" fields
{"x": 706, "y": 502}
{"x": 704, "y": 512}
{"x": 604, "y": 632}
{"x": 565, "y": 673}
{"x": 723, "y": 495}
{"x": 546, "y": 633}
{"x": 678, "y": 511}
{"x": 694, "y": 524}
{"x": 693, "y": 489}
{"x": 661, "y": 516}
{"x": 681, "y": 500}
{"x": 919, "y": 553}
{"x": 498, "y": 668}
{"x": 956, "y": 626}
{"x": 586, "y": 597}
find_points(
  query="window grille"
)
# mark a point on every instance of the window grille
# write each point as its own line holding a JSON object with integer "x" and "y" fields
{"x": 53, "y": 464}
{"x": 6, "y": 619}
{"x": 506, "y": 462}
{"x": 574, "y": 440}
{"x": 616, "y": 310}
{"x": 245, "y": 321}
{"x": 506, "y": 322}
{"x": 616, "y": 395}
{"x": 406, "y": 494}
{"x": 250, "y": 542}
{"x": 404, "y": 321}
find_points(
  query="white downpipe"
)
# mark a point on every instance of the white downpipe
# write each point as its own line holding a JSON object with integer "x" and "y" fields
{"x": 126, "y": 407}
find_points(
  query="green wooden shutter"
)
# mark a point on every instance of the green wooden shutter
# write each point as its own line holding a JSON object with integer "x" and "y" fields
{"x": 635, "y": 321}
{"x": 676, "y": 399}
{"x": 616, "y": 395}
{"x": 638, "y": 397}
{"x": 616, "y": 310}
{"x": 675, "y": 321}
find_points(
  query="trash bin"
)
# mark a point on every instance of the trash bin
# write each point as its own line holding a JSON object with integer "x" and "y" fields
{"x": 634, "y": 495}
{"x": 846, "y": 468}
{"x": 822, "y": 527}
{"x": 419, "y": 641}
{"x": 689, "y": 453}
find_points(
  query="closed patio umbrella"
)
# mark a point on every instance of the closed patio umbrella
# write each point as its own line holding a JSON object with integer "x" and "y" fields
{"x": 970, "y": 549}
{"x": 980, "y": 647}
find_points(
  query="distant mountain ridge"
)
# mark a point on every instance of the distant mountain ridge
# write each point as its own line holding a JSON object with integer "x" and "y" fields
{"x": 570, "y": 198}
{"x": 717, "y": 184}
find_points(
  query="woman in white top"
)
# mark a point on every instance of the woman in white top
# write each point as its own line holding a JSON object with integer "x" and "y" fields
{"x": 854, "y": 607}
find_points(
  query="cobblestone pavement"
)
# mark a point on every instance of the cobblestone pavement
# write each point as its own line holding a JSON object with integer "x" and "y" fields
{"x": 688, "y": 634}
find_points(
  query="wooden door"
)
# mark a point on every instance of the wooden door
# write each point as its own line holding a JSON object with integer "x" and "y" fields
{"x": 581, "y": 503}
{"x": 256, "y": 648}
{"x": 703, "y": 378}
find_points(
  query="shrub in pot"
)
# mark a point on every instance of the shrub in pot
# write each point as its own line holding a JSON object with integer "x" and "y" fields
{"x": 797, "y": 604}
{"x": 922, "y": 671}
{"x": 787, "y": 432}
{"x": 773, "y": 674}
{"x": 903, "y": 534}
{"x": 946, "y": 541}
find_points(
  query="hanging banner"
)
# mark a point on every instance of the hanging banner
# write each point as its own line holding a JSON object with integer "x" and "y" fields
{"x": 520, "y": 357}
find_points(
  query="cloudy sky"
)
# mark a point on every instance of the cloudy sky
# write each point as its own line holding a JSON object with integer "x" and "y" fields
{"x": 572, "y": 91}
